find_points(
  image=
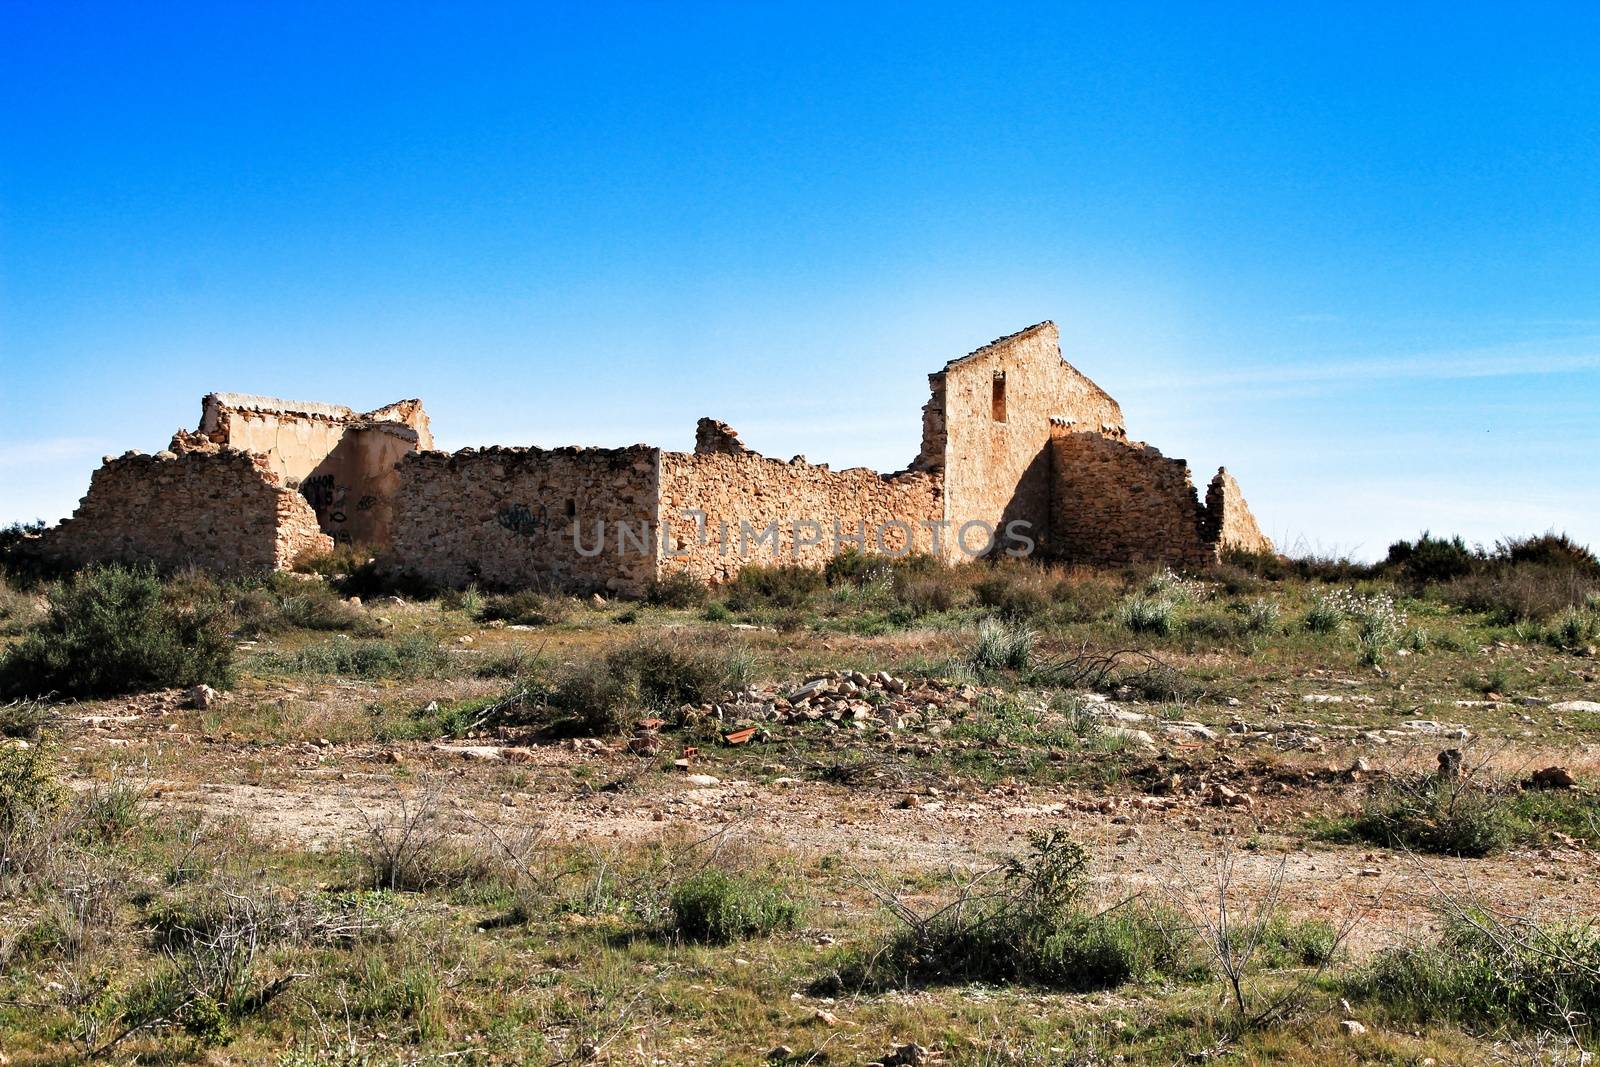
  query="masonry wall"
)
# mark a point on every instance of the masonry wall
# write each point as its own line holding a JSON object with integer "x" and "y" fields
{"x": 223, "y": 510}
{"x": 999, "y": 470}
{"x": 1228, "y": 521}
{"x": 1118, "y": 502}
{"x": 742, "y": 494}
{"x": 505, "y": 516}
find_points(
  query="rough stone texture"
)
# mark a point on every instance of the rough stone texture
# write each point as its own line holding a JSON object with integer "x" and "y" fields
{"x": 1229, "y": 524}
{"x": 343, "y": 461}
{"x": 712, "y": 437}
{"x": 742, "y": 494}
{"x": 998, "y": 469}
{"x": 506, "y": 516}
{"x": 1011, "y": 433}
{"x": 1117, "y": 501}
{"x": 224, "y": 510}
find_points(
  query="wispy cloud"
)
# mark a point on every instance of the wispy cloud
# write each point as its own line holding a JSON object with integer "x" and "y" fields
{"x": 1494, "y": 361}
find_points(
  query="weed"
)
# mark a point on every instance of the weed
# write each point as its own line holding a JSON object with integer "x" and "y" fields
{"x": 1001, "y": 646}
{"x": 680, "y": 589}
{"x": 528, "y": 607}
{"x": 718, "y": 907}
{"x": 1148, "y": 615}
{"x": 1440, "y": 814}
{"x": 1036, "y": 927}
{"x": 411, "y": 656}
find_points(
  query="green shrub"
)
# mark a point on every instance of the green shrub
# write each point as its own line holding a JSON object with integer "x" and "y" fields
{"x": 284, "y": 603}
{"x": 1574, "y": 628}
{"x": 778, "y": 585}
{"x": 718, "y": 907}
{"x": 716, "y": 611}
{"x": 921, "y": 594}
{"x": 1551, "y": 550}
{"x": 18, "y": 610}
{"x": 1037, "y": 928}
{"x": 1326, "y": 614}
{"x": 112, "y": 630}
{"x": 1443, "y": 816}
{"x": 412, "y": 656}
{"x": 1297, "y": 943}
{"x": 680, "y": 589}
{"x": 1513, "y": 594}
{"x": 23, "y": 718}
{"x": 657, "y": 672}
{"x": 1001, "y": 646}
{"x": 1015, "y": 591}
{"x": 1485, "y": 971}
{"x": 1148, "y": 615}
{"x": 527, "y": 607}
{"x": 1430, "y": 560}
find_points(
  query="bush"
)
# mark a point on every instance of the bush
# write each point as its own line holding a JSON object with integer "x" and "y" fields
{"x": 1148, "y": 615}
{"x": 18, "y": 610}
{"x": 1001, "y": 646}
{"x": 654, "y": 672}
{"x": 1430, "y": 560}
{"x": 1439, "y": 815}
{"x": 1015, "y": 592}
{"x": 23, "y": 718}
{"x": 1485, "y": 971}
{"x": 1551, "y": 550}
{"x": 112, "y": 630}
{"x": 1038, "y": 928}
{"x": 1326, "y": 614}
{"x": 680, "y": 589}
{"x": 412, "y": 656}
{"x": 283, "y": 603}
{"x": 30, "y": 797}
{"x": 528, "y": 607}
{"x": 1513, "y": 594}
{"x": 717, "y": 907}
{"x": 779, "y": 585}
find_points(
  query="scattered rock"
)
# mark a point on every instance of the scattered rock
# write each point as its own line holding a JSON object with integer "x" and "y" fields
{"x": 1575, "y": 706}
{"x": 202, "y": 697}
{"x": 1551, "y": 778}
{"x": 702, "y": 781}
{"x": 1352, "y": 1028}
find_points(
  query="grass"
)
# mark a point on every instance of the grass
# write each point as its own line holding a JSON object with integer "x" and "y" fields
{"x": 1486, "y": 971}
{"x": 466, "y": 929}
{"x": 1464, "y": 817}
{"x": 718, "y": 907}
{"x": 1037, "y": 926}
{"x": 411, "y": 656}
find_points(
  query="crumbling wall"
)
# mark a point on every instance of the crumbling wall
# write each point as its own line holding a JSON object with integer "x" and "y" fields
{"x": 342, "y": 460}
{"x": 987, "y": 426}
{"x": 1228, "y": 521}
{"x": 1118, "y": 502}
{"x": 528, "y": 516}
{"x": 742, "y": 496}
{"x": 223, "y": 510}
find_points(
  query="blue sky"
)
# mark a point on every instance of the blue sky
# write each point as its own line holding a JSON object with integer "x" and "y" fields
{"x": 1351, "y": 251}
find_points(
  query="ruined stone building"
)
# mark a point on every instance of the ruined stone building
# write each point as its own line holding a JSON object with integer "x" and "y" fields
{"x": 1019, "y": 452}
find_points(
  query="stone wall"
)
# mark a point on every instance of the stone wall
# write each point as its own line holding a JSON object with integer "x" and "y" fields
{"x": 988, "y": 423}
{"x": 1118, "y": 502}
{"x": 223, "y": 510}
{"x": 527, "y": 516}
{"x": 743, "y": 494}
{"x": 1229, "y": 523}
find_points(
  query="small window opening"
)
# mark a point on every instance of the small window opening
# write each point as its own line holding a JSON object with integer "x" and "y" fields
{"x": 572, "y": 509}
{"x": 1000, "y": 396}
